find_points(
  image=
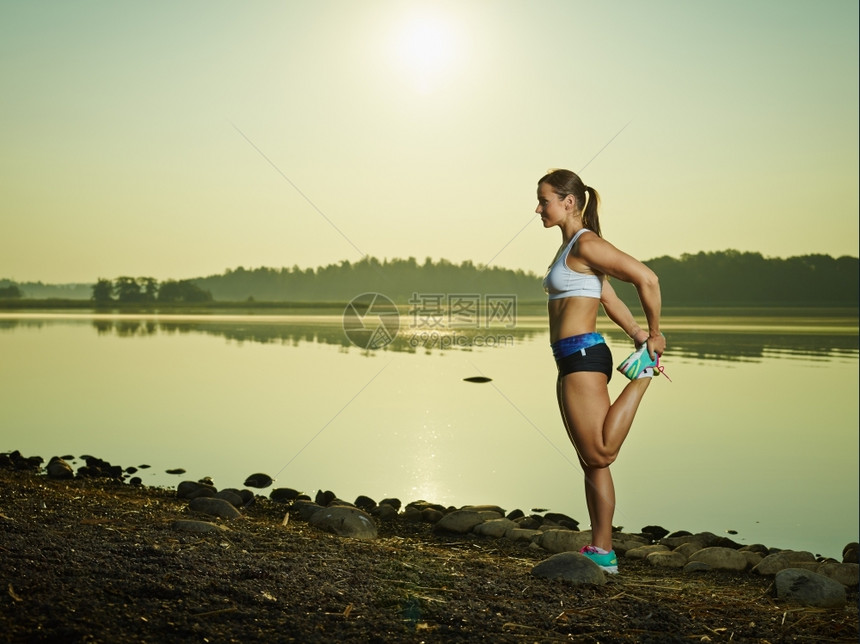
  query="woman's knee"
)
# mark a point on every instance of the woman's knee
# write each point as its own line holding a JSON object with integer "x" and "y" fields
{"x": 597, "y": 459}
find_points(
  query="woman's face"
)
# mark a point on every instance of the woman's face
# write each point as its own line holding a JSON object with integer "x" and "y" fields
{"x": 551, "y": 208}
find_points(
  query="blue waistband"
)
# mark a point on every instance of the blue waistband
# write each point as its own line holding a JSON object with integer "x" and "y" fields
{"x": 566, "y": 346}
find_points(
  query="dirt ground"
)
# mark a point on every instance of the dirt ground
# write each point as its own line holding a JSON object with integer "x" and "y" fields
{"x": 91, "y": 560}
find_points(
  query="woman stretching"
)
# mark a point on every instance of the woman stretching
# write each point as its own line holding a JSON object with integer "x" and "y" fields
{"x": 576, "y": 284}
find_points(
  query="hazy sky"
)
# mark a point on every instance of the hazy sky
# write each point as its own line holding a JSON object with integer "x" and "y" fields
{"x": 178, "y": 139}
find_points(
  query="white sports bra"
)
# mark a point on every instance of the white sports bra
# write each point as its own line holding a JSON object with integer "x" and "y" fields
{"x": 561, "y": 281}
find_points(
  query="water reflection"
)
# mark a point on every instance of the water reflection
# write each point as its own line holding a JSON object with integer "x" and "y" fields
{"x": 703, "y": 340}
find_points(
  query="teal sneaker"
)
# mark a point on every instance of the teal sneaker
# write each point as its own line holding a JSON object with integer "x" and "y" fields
{"x": 640, "y": 364}
{"x": 607, "y": 561}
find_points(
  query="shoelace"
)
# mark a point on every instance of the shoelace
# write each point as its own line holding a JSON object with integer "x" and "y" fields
{"x": 661, "y": 369}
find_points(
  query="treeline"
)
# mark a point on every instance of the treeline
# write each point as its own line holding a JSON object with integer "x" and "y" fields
{"x": 146, "y": 290}
{"x": 734, "y": 278}
{"x": 398, "y": 279}
{"x": 723, "y": 278}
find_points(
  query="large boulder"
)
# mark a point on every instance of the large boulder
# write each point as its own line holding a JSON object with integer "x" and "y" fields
{"x": 809, "y": 588}
{"x": 720, "y": 558}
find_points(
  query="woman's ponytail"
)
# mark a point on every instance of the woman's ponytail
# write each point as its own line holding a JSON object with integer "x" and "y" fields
{"x": 589, "y": 213}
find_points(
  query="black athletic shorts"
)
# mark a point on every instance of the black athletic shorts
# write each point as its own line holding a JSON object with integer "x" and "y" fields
{"x": 594, "y": 358}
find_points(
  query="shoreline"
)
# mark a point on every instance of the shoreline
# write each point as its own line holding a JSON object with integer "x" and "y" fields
{"x": 90, "y": 559}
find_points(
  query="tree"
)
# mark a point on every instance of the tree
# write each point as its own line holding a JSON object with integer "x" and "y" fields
{"x": 127, "y": 289}
{"x": 182, "y": 291}
{"x": 10, "y": 292}
{"x": 102, "y": 292}
{"x": 150, "y": 288}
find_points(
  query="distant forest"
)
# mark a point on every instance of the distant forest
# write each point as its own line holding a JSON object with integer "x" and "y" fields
{"x": 723, "y": 278}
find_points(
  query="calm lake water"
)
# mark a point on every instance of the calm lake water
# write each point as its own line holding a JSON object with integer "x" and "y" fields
{"x": 757, "y": 432}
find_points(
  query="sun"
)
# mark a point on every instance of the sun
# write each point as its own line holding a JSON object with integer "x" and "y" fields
{"x": 426, "y": 48}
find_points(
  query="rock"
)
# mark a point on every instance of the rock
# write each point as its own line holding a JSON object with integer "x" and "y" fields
{"x": 531, "y": 522}
{"x": 698, "y": 566}
{"x": 200, "y": 527}
{"x": 345, "y": 522}
{"x": 485, "y": 508}
{"x": 324, "y": 498}
{"x": 411, "y": 513}
{"x": 673, "y": 543}
{"x": 365, "y": 503}
{"x": 494, "y": 528}
{"x": 642, "y": 552}
{"x": 431, "y": 515}
{"x": 563, "y": 540}
{"x": 623, "y": 542}
{"x": 459, "y": 521}
{"x": 385, "y": 512}
{"x": 57, "y": 468}
{"x": 215, "y": 507}
{"x": 135, "y": 481}
{"x": 562, "y": 520}
{"x": 521, "y": 534}
{"x": 394, "y": 503}
{"x": 654, "y": 532}
{"x": 847, "y": 574}
{"x": 306, "y": 509}
{"x": 783, "y": 559}
{"x": 706, "y": 539}
{"x": 850, "y": 553}
{"x": 753, "y": 558}
{"x": 809, "y": 588}
{"x": 258, "y": 480}
{"x": 687, "y": 549}
{"x": 175, "y": 470}
{"x": 572, "y": 567}
{"x": 231, "y": 496}
{"x": 193, "y": 489}
{"x": 720, "y": 558}
{"x": 666, "y": 559}
{"x": 283, "y": 494}
{"x": 513, "y": 515}
{"x": 759, "y": 548}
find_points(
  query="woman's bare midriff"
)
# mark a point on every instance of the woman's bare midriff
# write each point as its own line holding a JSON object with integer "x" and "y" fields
{"x": 571, "y": 316}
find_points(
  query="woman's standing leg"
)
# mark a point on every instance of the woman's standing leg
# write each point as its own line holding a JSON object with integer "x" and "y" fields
{"x": 597, "y": 430}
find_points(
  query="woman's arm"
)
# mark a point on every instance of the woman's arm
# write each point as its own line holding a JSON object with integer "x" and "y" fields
{"x": 619, "y": 313}
{"x": 603, "y": 257}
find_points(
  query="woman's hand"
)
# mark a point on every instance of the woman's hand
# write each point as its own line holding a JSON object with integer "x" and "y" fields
{"x": 656, "y": 345}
